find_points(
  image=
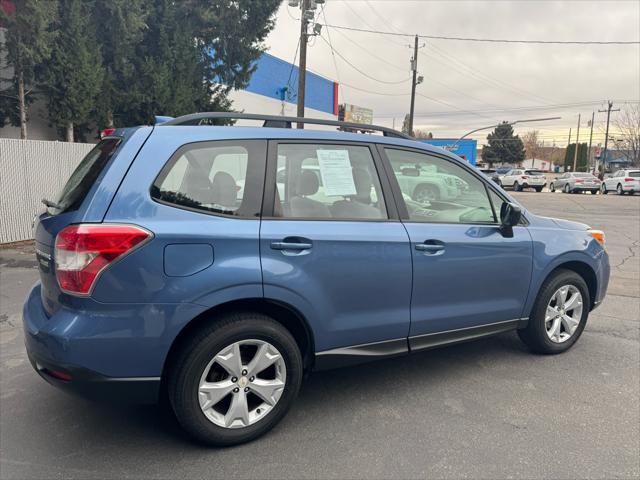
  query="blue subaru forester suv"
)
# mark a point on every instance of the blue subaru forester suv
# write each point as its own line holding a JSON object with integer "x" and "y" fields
{"x": 214, "y": 265}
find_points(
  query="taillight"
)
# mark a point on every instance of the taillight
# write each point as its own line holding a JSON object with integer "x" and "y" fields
{"x": 579, "y": 181}
{"x": 83, "y": 252}
{"x": 107, "y": 132}
{"x": 628, "y": 179}
{"x": 524, "y": 177}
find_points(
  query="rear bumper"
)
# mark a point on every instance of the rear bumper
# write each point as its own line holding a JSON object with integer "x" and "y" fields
{"x": 110, "y": 351}
{"x": 89, "y": 384}
{"x": 630, "y": 186}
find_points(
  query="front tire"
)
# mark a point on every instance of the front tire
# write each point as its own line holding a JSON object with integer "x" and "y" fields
{"x": 517, "y": 187}
{"x": 603, "y": 189}
{"x": 559, "y": 314}
{"x": 552, "y": 187}
{"x": 235, "y": 379}
{"x": 538, "y": 189}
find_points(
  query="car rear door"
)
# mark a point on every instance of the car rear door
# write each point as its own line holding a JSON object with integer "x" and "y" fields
{"x": 332, "y": 246}
{"x": 468, "y": 276}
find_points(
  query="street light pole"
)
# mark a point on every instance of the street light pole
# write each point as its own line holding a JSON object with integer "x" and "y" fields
{"x": 507, "y": 123}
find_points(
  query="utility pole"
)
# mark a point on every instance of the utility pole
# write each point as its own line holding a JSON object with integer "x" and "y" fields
{"x": 575, "y": 152}
{"x": 568, "y": 143}
{"x": 302, "y": 65}
{"x": 590, "y": 138}
{"x": 414, "y": 67}
{"x": 606, "y": 135}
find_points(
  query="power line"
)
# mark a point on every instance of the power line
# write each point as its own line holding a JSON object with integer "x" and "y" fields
{"x": 490, "y": 40}
{"x": 333, "y": 56}
{"x": 360, "y": 71}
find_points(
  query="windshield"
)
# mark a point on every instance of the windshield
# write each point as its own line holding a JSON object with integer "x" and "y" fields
{"x": 84, "y": 176}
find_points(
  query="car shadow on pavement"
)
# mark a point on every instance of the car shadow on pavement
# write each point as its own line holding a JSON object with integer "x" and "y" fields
{"x": 349, "y": 389}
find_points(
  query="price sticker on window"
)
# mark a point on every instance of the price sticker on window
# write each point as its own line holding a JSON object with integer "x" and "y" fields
{"x": 336, "y": 173}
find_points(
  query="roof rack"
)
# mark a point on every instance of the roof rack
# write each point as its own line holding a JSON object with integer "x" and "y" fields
{"x": 277, "y": 121}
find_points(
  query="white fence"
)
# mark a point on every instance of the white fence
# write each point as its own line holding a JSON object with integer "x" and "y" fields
{"x": 31, "y": 170}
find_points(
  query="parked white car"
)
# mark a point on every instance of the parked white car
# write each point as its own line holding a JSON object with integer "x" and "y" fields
{"x": 622, "y": 181}
{"x": 520, "y": 178}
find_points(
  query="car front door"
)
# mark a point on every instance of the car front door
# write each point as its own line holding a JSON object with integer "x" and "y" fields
{"x": 469, "y": 275}
{"x": 333, "y": 247}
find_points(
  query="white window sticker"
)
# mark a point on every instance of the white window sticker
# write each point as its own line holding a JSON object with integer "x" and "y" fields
{"x": 335, "y": 170}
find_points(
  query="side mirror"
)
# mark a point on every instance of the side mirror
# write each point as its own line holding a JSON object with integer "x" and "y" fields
{"x": 510, "y": 215}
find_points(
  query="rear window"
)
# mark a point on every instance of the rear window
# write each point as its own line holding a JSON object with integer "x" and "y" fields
{"x": 220, "y": 177}
{"x": 533, "y": 173}
{"x": 85, "y": 175}
{"x": 635, "y": 174}
{"x": 583, "y": 175}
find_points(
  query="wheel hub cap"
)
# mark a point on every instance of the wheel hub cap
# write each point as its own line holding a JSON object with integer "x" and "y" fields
{"x": 563, "y": 314}
{"x": 242, "y": 383}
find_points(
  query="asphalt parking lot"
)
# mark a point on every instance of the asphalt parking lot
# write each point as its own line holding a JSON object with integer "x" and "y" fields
{"x": 487, "y": 409}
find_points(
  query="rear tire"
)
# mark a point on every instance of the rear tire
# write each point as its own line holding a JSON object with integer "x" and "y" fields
{"x": 535, "y": 335}
{"x": 195, "y": 363}
{"x": 619, "y": 190}
{"x": 517, "y": 187}
{"x": 552, "y": 188}
{"x": 594, "y": 192}
{"x": 538, "y": 189}
{"x": 567, "y": 188}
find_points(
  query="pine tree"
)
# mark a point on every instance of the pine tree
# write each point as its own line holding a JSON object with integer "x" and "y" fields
{"x": 119, "y": 27}
{"x": 503, "y": 146}
{"x": 28, "y": 41}
{"x": 581, "y": 161}
{"x": 72, "y": 78}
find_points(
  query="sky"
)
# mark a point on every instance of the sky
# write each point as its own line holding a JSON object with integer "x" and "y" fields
{"x": 468, "y": 85}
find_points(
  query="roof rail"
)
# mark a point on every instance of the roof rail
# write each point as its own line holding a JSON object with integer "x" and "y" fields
{"x": 277, "y": 121}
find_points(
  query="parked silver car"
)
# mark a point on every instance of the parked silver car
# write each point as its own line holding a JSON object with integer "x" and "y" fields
{"x": 574, "y": 182}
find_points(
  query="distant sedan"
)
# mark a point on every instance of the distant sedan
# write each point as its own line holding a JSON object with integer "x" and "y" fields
{"x": 574, "y": 182}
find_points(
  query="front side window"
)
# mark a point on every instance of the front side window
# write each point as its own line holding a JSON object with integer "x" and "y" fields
{"x": 327, "y": 182}
{"x": 216, "y": 177}
{"x": 439, "y": 191}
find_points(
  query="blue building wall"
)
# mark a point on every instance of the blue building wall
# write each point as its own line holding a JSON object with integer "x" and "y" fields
{"x": 273, "y": 74}
{"x": 465, "y": 148}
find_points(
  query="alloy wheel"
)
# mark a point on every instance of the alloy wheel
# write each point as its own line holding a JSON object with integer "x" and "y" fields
{"x": 563, "y": 314}
{"x": 242, "y": 383}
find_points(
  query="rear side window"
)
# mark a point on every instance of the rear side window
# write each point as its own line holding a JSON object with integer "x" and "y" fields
{"x": 85, "y": 175}
{"x": 223, "y": 178}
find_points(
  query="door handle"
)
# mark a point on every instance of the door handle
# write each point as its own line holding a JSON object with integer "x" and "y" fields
{"x": 431, "y": 247}
{"x": 290, "y": 246}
